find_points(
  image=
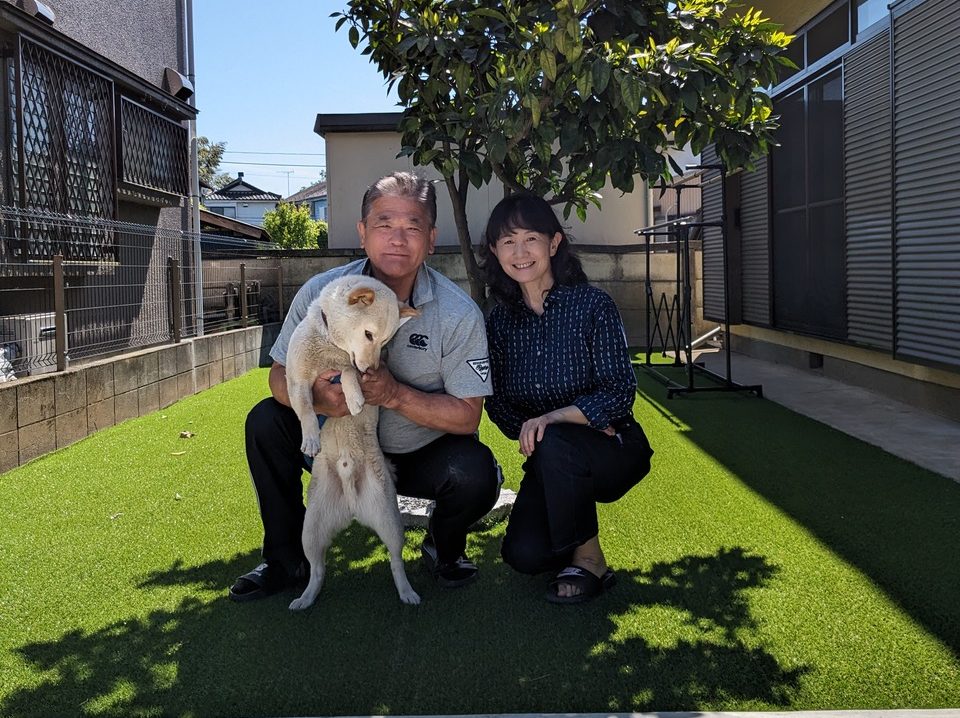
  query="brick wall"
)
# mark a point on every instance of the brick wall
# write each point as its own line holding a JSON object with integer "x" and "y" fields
{"x": 43, "y": 413}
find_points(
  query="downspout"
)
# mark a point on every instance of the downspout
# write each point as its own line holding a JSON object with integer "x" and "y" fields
{"x": 194, "y": 169}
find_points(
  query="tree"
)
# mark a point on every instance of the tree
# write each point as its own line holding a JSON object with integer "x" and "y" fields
{"x": 322, "y": 234}
{"x": 291, "y": 227}
{"x": 209, "y": 156}
{"x": 555, "y": 96}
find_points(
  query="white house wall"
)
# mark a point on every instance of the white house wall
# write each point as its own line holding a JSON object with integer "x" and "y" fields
{"x": 249, "y": 212}
{"x": 356, "y": 159}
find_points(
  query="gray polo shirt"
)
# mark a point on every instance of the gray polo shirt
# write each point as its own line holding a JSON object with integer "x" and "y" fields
{"x": 444, "y": 350}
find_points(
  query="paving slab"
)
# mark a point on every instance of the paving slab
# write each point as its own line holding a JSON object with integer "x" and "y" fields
{"x": 921, "y": 437}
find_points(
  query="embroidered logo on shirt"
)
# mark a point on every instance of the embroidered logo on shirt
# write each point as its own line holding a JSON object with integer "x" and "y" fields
{"x": 481, "y": 366}
{"x": 418, "y": 341}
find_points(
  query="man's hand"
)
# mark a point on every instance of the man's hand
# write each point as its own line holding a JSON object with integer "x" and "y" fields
{"x": 328, "y": 398}
{"x": 379, "y": 387}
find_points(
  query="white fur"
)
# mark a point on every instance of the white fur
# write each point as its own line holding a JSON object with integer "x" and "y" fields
{"x": 345, "y": 329}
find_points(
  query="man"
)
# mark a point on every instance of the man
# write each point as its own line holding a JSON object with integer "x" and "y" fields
{"x": 430, "y": 392}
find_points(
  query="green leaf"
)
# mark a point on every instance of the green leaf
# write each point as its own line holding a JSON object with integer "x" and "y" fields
{"x": 584, "y": 84}
{"x": 630, "y": 89}
{"x": 600, "y": 71}
{"x": 548, "y": 63}
{"x": 354, "y": 37}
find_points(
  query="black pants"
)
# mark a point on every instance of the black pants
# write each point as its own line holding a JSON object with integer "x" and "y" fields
{"x": 457, "y": 471}
{"x": 572, "y": 469}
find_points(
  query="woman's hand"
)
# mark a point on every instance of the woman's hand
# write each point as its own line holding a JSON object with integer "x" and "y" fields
{"x": 532, "y": 431}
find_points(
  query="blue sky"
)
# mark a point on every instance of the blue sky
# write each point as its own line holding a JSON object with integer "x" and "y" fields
{"x": 264, "y": 71}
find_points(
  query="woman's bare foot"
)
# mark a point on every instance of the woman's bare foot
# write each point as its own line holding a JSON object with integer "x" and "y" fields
{"x": 588, "y": 556}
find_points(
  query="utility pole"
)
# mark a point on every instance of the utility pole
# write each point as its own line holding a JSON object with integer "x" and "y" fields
{"x": 287, "y": 173}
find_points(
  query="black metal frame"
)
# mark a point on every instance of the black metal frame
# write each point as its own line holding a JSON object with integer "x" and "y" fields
{"x": 680, "y": 309}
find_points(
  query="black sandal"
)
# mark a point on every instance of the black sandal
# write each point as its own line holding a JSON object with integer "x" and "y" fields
{"x": 447, "y": 574}
{"x": 265, "y": 580}
{"x": 590, "y": 584}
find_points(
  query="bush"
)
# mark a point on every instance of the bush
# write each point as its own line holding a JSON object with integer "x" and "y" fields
{"x": 290, "y": 226}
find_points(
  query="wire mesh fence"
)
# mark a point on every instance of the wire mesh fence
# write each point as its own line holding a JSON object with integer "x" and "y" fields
{"x": 142, "y": 286}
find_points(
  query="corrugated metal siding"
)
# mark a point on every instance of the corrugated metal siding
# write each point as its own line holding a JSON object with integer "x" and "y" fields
{"x": 755, "y": 244}
{"x": 866, "y": 128}
{"x": 712, "y": 240}
{"x": 927, "y": 181}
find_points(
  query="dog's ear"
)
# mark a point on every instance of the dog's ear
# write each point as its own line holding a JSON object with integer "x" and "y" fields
{"x": 363, "y": 295}
{"x": 406, "y": 314}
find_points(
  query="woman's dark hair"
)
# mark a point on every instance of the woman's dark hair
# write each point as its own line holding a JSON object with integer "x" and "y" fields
{"x": 526, "y": 211}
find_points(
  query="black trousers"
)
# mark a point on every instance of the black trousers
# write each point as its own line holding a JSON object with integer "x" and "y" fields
{"x": 457, "y": 471}
{"x": 572, "y": 469}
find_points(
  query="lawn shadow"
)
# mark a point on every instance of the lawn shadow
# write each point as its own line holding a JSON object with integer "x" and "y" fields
{"x": 494, "y": 647}
{"x": 897, "y": 523}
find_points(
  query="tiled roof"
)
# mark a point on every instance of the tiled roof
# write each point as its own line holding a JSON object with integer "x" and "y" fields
{"x": 241, "y": 190}
{"x": 259, "y": 196}
{"x": 314, "y": 191}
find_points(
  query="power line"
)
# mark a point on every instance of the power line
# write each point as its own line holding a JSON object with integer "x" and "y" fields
{"x": 301, "y": 154}
{"x": 266, "y": 164}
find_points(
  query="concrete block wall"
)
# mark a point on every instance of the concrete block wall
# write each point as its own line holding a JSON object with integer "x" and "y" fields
{"x": 620, "y": 272}
{"x": 43, "y": 413}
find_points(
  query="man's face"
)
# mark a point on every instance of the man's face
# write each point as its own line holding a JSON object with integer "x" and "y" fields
{"x": 397, "y": 237}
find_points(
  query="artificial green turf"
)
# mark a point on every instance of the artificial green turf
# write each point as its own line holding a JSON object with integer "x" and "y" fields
{"x": 767, "y": 562}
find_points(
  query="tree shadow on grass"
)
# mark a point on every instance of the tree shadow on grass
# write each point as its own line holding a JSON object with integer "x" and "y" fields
{"x": 676, "y": 636}
{"x": 896, "y": 522}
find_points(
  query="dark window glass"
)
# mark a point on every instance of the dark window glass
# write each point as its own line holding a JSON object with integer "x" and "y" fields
{"x": 828, "y": 34}
{"x": 794, "y": 52}
{"x": 807, "y": 193}
{"x": 825, "y": 137}
{"x": 869, "y": 12}
{"x": 789, "y": 157}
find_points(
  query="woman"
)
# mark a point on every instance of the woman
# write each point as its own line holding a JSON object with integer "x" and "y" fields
{"x": 564, "y": 387}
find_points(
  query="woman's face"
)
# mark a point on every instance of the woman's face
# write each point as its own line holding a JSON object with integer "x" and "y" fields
{"x": 525, "y": 255}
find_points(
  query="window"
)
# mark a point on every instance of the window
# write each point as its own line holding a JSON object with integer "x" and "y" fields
{"x": 826, "y": 34}
{"x": 870, "y": 12}
{"x": 807, "y": 199}
{"x": 60, "y": 153}
{"x": 153, "y": 150}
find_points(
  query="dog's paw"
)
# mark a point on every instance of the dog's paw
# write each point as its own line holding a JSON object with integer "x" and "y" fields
{"x": 354, "y": 404}
{"x": 299, "y": 604}
{"x": 311, "y": 445}
{"x": 410, "y": 597}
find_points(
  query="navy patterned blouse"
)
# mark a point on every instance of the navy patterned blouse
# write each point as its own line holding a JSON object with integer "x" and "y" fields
{"x": 575, "y": 353}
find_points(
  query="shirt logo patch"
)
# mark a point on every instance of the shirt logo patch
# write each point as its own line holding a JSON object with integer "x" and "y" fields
{"x": 418, "y": 341}
{"x": 481, "y": 367}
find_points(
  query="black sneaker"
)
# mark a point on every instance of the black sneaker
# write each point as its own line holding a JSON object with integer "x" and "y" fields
{"x": 447, "y": 574}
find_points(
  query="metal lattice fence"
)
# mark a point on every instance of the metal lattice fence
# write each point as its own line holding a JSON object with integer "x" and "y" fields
{"x": 58, "y": 311}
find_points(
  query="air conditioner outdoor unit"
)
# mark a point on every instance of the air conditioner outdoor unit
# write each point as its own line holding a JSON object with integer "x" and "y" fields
{"x": 28, "y": 343}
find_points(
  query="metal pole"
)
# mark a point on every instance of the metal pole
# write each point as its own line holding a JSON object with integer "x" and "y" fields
{"x": 243, "y": 294}
{"x": 726, "y": 275}
{"x": 648, "y": 290}
{"x": 175, "y": 298}
{"x": 60, "y": 312}
{"x": 686, "y": 314}
{"x": 187, "y": 19}
{"x": 280, "y": 286}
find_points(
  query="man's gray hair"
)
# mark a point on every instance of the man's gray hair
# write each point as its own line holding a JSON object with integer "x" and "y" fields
{"x": 402, "y": 184}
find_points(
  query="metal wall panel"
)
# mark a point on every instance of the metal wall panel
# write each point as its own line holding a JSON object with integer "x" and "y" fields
{"x": 927, "y": 181}
{"x": 755, "y": 244}
{"x": 866, "y": 127}
{"x": 712, "y": 240}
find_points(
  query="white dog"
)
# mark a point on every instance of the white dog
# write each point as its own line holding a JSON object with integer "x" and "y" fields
{"x": 345, "y": 329}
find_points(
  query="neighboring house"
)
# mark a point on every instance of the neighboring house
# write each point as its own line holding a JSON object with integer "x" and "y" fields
{"x": 843, "y": 247}
{"x": 213, "y": 224}
{"x": 363, "y": 147}
{"x": 95, "y": 168}
{"x": 241, "y": 200}
{"x": 314, "y": 197}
